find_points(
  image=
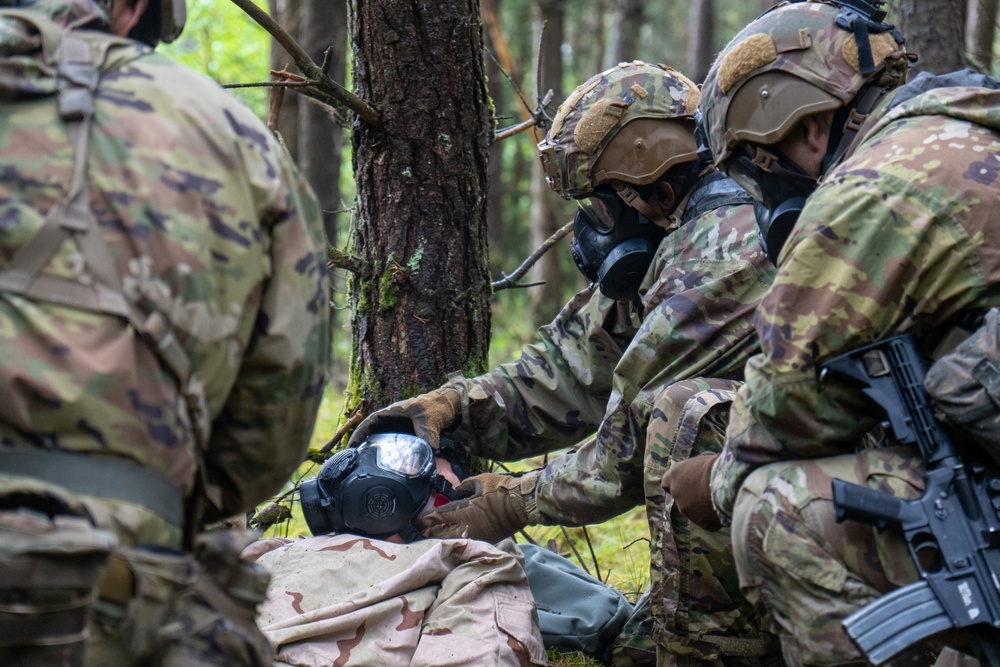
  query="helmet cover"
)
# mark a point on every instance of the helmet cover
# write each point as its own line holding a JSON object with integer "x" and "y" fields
{"x": 795, "y": 60}
{"x": 611, "y": 128}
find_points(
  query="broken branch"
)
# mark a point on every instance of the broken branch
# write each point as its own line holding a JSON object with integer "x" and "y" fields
{"x": 313, "y": 72}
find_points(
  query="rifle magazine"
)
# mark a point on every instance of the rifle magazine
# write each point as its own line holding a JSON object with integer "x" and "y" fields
{"x": 896, "y": 621}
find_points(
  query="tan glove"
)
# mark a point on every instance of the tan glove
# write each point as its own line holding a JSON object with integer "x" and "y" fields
{"x": 689, "y": 482}
{"x": 424, "y": 416}
{"x": 490, "y": 508}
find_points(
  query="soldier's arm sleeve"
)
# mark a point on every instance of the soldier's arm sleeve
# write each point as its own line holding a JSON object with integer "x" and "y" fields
{"x": 263, "y": 430}
{"x": 555, "y": 393}
{"x": 871, "y": 256}
{"x": 598, "y": 480}
{"x": 698, "y": 323}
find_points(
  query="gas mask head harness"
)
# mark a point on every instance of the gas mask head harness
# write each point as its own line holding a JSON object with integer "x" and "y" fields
{"x": 377, "y": 489}
{"x": 779, "y": 189}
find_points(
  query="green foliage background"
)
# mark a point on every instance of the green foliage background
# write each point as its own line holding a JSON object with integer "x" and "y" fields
{"x": 220, "y": 40}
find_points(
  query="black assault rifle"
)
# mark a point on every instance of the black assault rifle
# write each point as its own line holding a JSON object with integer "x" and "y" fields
{"x": 952, "y": 530}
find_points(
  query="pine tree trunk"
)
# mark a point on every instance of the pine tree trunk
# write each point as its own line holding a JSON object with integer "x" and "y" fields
{"x": 624, "y": 38}
{"x": 980, "y": 26}
{"x": 286, "y": 12}
{"x": 421, "y": 300}
{"x": 321, "y": 138}
{"x": 497, "y": 89}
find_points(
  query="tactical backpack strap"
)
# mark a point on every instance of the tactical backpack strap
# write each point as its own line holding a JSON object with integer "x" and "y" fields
{"x": 80, "y": 63}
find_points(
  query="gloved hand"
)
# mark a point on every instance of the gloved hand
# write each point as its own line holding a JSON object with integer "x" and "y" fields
{"x": 490, "y": 508}
{"x": 425, "y": 416}
{"x": 688, "y": 482}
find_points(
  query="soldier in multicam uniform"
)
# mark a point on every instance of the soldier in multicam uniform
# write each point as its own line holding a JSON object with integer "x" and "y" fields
{"x": 165, "y": 336}
{"x": 367, "y": 590}
{"x": 895, "y": 191}
{"x": 624, "y": 368}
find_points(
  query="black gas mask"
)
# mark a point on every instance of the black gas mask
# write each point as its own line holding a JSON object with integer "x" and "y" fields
{"x": 613, "y": 244}
{"x": 376, "y": 489}
{"x": 779, "y": 189}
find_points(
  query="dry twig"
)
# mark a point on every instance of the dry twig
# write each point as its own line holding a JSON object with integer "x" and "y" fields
{"x": 319, "y": 84}
{"x": 339, "y": 435}
{"x": 511, "y": 281}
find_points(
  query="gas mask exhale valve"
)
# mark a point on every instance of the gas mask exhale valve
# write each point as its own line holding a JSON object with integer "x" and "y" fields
{"x": 613, "y": 245}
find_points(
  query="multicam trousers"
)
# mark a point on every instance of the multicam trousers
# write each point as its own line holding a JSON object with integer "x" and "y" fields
{"x": 698, "y": 616}
{"x": 803, "y": 571}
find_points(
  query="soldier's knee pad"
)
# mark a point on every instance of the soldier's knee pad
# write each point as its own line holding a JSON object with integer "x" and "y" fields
{"x": 50, "y": 568}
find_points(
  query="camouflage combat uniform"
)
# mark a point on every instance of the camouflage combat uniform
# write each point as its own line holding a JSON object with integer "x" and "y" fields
{"x": 898, "y": 238}
{"x": 617, "y": 370}
{"x": 350, "y": 600}
{"x": 203, "y": 220}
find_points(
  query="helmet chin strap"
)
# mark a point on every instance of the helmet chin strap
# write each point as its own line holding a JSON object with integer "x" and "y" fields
{"x": 630, "y": 196}
{"x": 856, "y": 117}
{"x": 677, "y": 215}
{"x": 671, "y": 222}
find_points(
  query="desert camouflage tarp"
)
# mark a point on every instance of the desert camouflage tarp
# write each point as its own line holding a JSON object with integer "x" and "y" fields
{"x": 349, "y": 600}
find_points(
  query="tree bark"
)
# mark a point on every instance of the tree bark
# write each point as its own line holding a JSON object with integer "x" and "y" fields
{"x": 497, "y": 88}
{"x": 935, "y": 32}
{"x": 421, "y": 300}
{"x": 599, "y": 35}
{"x": 980, "y": 26}
{"x": 701, "y": 39}
{"x": 547, "y": 298}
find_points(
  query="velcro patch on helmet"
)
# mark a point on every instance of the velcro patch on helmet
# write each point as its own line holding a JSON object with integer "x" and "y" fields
{"x": 882, "y": 45}
{"x": 691, "y": 102}
{"x": 597, "y": 122}
{"x": 639, "y": 91}
{"x": 753, "y": 52}
{"x": 570, "y": 105}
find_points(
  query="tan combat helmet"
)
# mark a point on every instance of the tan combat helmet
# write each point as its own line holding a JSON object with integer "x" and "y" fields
{"x": 795, "y": 60}
{"x": 611, "y": 128}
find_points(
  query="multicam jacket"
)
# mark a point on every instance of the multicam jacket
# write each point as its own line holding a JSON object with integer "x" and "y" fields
{"x": 596, "y": 367}
{"x": 899, "y": 237}
{"x": 208, "y": 223}
{"x": 350, "y": 600}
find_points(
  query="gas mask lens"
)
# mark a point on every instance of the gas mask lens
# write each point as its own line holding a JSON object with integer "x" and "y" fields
{"x": 403, "y": 454}
{"x": 746, "y": 174}
{"x": 602, "y": 209}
